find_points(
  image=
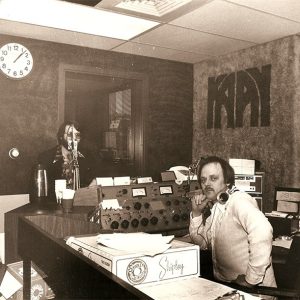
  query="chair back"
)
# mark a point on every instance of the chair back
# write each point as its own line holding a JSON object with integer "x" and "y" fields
{"x": 291, "y": 278}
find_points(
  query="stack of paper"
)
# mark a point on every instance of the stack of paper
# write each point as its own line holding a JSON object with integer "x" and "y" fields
{"x": 278, "y": 214}
{"x": 136, "y": 242}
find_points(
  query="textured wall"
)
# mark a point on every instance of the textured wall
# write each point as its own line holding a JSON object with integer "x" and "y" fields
{"x": 275, "y": 146}
{"x": 29, "y": 108}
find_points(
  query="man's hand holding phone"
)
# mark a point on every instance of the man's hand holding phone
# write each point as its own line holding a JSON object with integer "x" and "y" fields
{"x": 199, "y": 202}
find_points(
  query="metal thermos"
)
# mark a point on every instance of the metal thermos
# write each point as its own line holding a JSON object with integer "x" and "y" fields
{"x": 40, "y": 182}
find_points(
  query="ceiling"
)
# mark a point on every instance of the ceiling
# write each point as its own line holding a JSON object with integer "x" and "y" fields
{"x": 197, "y": 31}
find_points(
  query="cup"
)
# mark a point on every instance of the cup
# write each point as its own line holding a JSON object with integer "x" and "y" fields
{"x": 60, "y": 186}
{"x": 67, "y": 205}
{"x": 67, "y": 200}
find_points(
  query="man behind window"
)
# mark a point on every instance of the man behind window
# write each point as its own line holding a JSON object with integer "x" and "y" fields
{"x": 59, "y": 160}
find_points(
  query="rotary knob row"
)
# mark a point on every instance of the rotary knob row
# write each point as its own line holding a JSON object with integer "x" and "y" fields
{"x": 138, "y": 205}
{"x": 134, "y": 223}
{"x": 145, "y": 221}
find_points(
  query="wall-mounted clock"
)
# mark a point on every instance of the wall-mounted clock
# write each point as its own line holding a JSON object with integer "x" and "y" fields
{"x": 15, "y": 60}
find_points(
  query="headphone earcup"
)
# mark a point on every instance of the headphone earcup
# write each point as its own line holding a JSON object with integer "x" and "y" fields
{"x": 223, "y": 197}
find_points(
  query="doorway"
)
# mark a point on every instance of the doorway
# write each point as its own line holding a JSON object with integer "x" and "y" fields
{"x": 109, "y": 106}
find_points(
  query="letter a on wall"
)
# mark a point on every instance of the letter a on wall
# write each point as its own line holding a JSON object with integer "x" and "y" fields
{"x": 237, "y": 94}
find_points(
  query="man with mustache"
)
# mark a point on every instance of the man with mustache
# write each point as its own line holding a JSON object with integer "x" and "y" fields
{"x": 229, "y": 223}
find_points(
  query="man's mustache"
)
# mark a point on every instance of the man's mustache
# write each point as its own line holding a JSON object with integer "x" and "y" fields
{"x": 208, "y": 189}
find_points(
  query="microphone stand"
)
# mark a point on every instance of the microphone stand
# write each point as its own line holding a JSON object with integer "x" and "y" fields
{"x": 189, "y": 178}
{"x": 192, "y": 170}
{"x": 72, "y": 145}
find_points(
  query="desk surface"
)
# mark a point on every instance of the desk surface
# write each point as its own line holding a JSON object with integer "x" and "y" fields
{"x": 12, "y": 217}
{"x": 69, "y": 274}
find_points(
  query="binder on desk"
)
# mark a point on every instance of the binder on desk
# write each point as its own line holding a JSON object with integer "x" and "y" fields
{"x": 182, "y": 260}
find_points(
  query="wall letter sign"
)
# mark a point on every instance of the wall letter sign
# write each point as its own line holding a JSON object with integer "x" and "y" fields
{"x": 232, "y": 93}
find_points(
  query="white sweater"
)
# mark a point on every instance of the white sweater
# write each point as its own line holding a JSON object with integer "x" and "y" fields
{"x": 240, "y": 237}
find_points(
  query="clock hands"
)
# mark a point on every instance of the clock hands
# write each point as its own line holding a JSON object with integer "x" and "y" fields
{"x": 19, "y": 56}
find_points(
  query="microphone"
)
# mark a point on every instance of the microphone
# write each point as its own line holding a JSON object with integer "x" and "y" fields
{"x": 194, "y": 166}
{"x": 69, "y": 144}
{"x": 74, "y": 139}
{"x": 192, "y": 170}
{"x": 70, "y": 138}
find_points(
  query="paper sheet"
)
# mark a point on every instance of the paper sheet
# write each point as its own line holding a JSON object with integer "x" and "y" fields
{"x": 142, "y": 243}
{"x": 278, "y": 214}
{"x": 282, "y": 243}
{"x": 110, "y": 203}
{"x": 189, "y": 289}
{"x": 9, "y": 285}
{"x": 105, "y": 181}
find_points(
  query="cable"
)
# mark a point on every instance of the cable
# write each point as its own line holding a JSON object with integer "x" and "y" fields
{"x": 206, "y": 232}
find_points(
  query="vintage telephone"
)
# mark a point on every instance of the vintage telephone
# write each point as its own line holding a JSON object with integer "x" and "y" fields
{"x": 183, "y": 173}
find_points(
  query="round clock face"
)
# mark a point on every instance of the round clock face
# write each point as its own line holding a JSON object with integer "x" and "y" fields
{"x": 15, "y": 60}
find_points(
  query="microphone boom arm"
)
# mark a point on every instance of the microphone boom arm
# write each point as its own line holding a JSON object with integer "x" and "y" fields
{"x": 72, "y": 146}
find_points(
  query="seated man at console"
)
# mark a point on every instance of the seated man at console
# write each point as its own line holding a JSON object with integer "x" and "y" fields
{"x": 229, "y": 223}
{"x": 61, "y": 160}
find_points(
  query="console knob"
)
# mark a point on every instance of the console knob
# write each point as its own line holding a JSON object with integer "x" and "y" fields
{"x": 137, "y": 205}
{"x": 144, "y": 221}
{"x": 114, "y": 225}
{"x": 135, "y": 223}
{"x": 125, "y": 224}
{"x": 154, "y": 220}
{"x": 146, "y": 205}
{"x": 176, "y": 202}
{"x": 176, "y": 218}
{"x": 168, "y": 203}
{"x": 184, "y": 217}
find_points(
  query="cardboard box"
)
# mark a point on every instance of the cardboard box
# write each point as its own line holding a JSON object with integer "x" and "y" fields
{"x": 182, "y": 260}
{"x": 39, "y": 288}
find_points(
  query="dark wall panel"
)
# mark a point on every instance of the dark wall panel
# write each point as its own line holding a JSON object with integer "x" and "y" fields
{"x": 275, "y": 142}
{"x": 29, "y": 108}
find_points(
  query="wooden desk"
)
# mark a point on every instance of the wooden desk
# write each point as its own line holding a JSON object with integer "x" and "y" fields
{"x": 69, "y": 274}
{"x": 11, "y": 224}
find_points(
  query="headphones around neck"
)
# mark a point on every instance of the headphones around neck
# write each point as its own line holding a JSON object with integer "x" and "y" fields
{"x": 223, "y": 197}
